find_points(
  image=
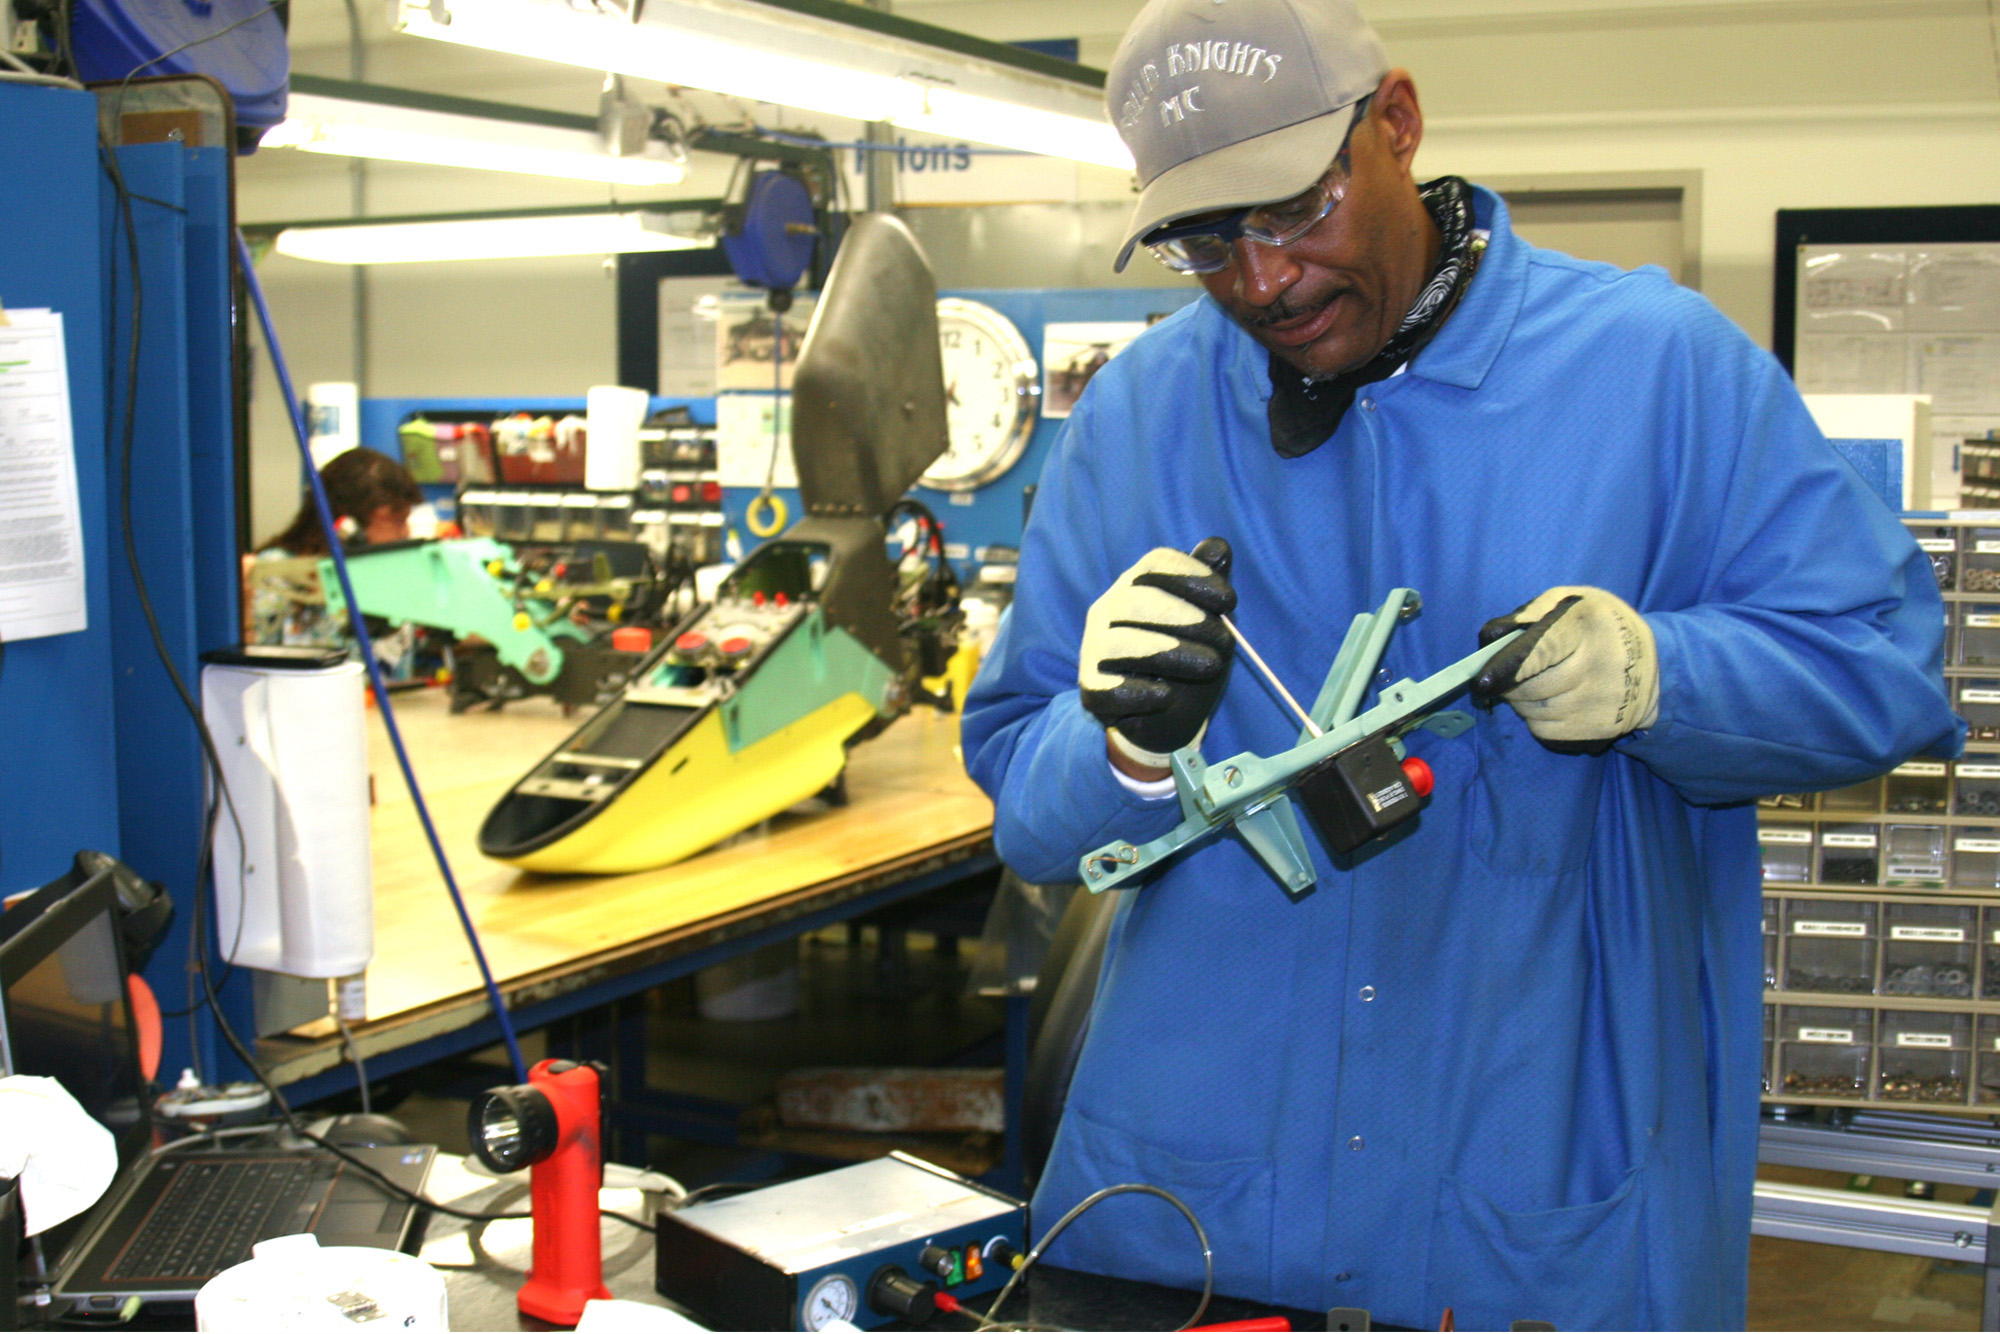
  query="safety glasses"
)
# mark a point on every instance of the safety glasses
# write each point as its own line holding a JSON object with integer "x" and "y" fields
{"x": 1206, "y": 244}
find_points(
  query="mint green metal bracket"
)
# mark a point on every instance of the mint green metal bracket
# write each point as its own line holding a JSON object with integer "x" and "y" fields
{"x": 809, "y": 669}
{"x": 451, "y": 585}
{"x": 1248, "y": 790}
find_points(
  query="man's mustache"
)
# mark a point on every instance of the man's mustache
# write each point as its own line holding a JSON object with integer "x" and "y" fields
{"x": 1287, "y": 308}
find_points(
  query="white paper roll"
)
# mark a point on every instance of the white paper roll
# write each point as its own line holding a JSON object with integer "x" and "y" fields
{"x": 294, "y": 749}
{"x": 611, "y": 460}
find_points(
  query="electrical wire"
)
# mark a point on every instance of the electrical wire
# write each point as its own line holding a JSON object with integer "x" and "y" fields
{"x": 126, "y": 423}
{"x": 354, "y": 1059}
{"x": 1088, "y": 1202}
{"x": 118, "y": 102}
{"x": 207, "y": 980}
{"x": 38, "y": 78}
{"x": 366, "y": 645}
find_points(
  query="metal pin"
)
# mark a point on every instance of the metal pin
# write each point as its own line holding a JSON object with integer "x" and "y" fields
{"x": 1271, "y": 676}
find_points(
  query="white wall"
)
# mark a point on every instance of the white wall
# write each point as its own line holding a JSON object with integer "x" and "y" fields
{"x": 1751, "y": 165}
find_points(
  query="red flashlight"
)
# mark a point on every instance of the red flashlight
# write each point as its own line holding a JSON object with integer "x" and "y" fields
{"x": 553, "y": 1123}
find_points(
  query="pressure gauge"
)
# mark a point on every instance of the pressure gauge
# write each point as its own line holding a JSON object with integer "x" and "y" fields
{"x": 992, "y": 390}
{"x": 833, "y": 1298}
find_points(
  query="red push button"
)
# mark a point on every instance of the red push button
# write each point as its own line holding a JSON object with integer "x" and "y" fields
{"x": 1420, "y": 776}
{"x": 691, "y": 641}
{"x": 735, "y": 646}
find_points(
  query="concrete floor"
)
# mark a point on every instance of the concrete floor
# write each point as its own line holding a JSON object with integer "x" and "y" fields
{"x": 845, "y": 1019}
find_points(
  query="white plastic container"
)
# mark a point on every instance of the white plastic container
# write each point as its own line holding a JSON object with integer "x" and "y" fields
{"x": 294, "y": 749}
{"x": 297, "y": 1285}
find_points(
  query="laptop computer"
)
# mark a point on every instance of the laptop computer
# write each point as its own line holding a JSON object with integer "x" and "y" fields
{"x": 173, "y": 1217}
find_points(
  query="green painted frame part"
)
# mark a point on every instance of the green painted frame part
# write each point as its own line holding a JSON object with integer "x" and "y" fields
{"x": 805, "y": 671}
{"x": 1249, "y": 790}
{"x": 448, "y": 585}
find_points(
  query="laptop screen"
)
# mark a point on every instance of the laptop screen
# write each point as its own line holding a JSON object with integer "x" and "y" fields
{"x": 64, "y": 1012}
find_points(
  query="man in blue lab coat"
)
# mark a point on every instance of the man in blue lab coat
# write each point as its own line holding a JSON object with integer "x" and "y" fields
{"x": 1508, "y": 1064}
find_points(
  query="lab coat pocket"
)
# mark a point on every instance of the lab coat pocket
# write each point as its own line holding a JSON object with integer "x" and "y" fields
{"x": 1581, "y": 1267}
{"x": 1143, "y": 1237}
{"x": 1532, "y": 812}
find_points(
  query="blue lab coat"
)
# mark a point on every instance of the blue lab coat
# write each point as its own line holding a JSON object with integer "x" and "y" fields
{"x": 1510, "y": 1063}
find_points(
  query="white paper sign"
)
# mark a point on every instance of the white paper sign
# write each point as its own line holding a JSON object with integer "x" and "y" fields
{"x": 746, "y": 443}
{"x": 41, "y": 526}
{"x": 1829, "y": 928}
{"x": 1826, "y": 1035}
{"x": 1952, "y": 934}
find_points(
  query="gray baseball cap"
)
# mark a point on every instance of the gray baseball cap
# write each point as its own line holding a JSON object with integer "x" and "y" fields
{"x": 1234, "y": 103}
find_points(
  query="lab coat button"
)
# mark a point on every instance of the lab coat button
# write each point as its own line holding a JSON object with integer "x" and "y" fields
{"x": 1355, "y": 1144}
{"x": 1368, "y": 404}
{"x": 1367, "y": 993}
{"x": 1342, "y": 1277}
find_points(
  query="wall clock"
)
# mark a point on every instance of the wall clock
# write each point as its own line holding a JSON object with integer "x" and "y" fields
{"x": 992, "y": 392}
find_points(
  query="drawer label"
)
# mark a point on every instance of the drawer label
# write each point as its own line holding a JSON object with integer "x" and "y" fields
{"x": 1982, "y": 620}
{"x": 1976, "y": 697}
{"x": 1986, "y": 546}
{"x": 1979, "y": 771}
{"x": 1923, "y": 1039}
{"x": 1941, "y": 545}
{"x": 1791, "y": 836}
{"x": 1926, "y": 768}
{"x": 1826, "y": 1035}
{"x": 1976, "y": 845}
{"x": 1847, "y": 840}
{"x": 1953, "y": 934}
{"x": 1829, "y": 928}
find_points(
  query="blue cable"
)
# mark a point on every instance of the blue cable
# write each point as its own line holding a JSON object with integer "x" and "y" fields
{"x": 368, "y": 656}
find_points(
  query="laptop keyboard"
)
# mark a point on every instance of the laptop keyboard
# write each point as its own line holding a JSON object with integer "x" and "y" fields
{"x": 213, "y": 1212}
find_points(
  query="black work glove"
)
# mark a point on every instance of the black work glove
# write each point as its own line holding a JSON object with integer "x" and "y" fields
{"x": 1583, "y": 673}
{"x": 1155, "y": 651}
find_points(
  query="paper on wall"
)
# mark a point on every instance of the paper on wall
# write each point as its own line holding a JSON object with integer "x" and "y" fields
{"x": 1961, "y": 372}
{"x": 41, "y": 527}
{"x": 744, "y": 443}
{"x": 1850, "y": 364}
{"x": 1955, "y": 288}
{"x": 1852, "y": 291}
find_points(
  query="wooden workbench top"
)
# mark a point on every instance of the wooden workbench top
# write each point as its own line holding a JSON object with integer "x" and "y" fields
{"x": 909, "y": 801}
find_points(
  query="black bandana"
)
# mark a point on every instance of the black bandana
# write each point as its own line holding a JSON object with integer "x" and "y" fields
{"x": 1305, "y": 413}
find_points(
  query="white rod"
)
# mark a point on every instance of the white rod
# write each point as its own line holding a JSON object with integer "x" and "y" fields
{"x": 1271, "y": 676}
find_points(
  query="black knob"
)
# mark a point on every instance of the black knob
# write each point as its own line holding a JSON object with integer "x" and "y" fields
{"x": 936, "y": 1259}
{"x": 895, "y": 1293}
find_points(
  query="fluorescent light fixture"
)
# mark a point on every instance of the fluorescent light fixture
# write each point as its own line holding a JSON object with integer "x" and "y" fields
{"x": 405, "y": 241}
{"x": 451, "y": 132}
{"x": 809, "y": 55}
